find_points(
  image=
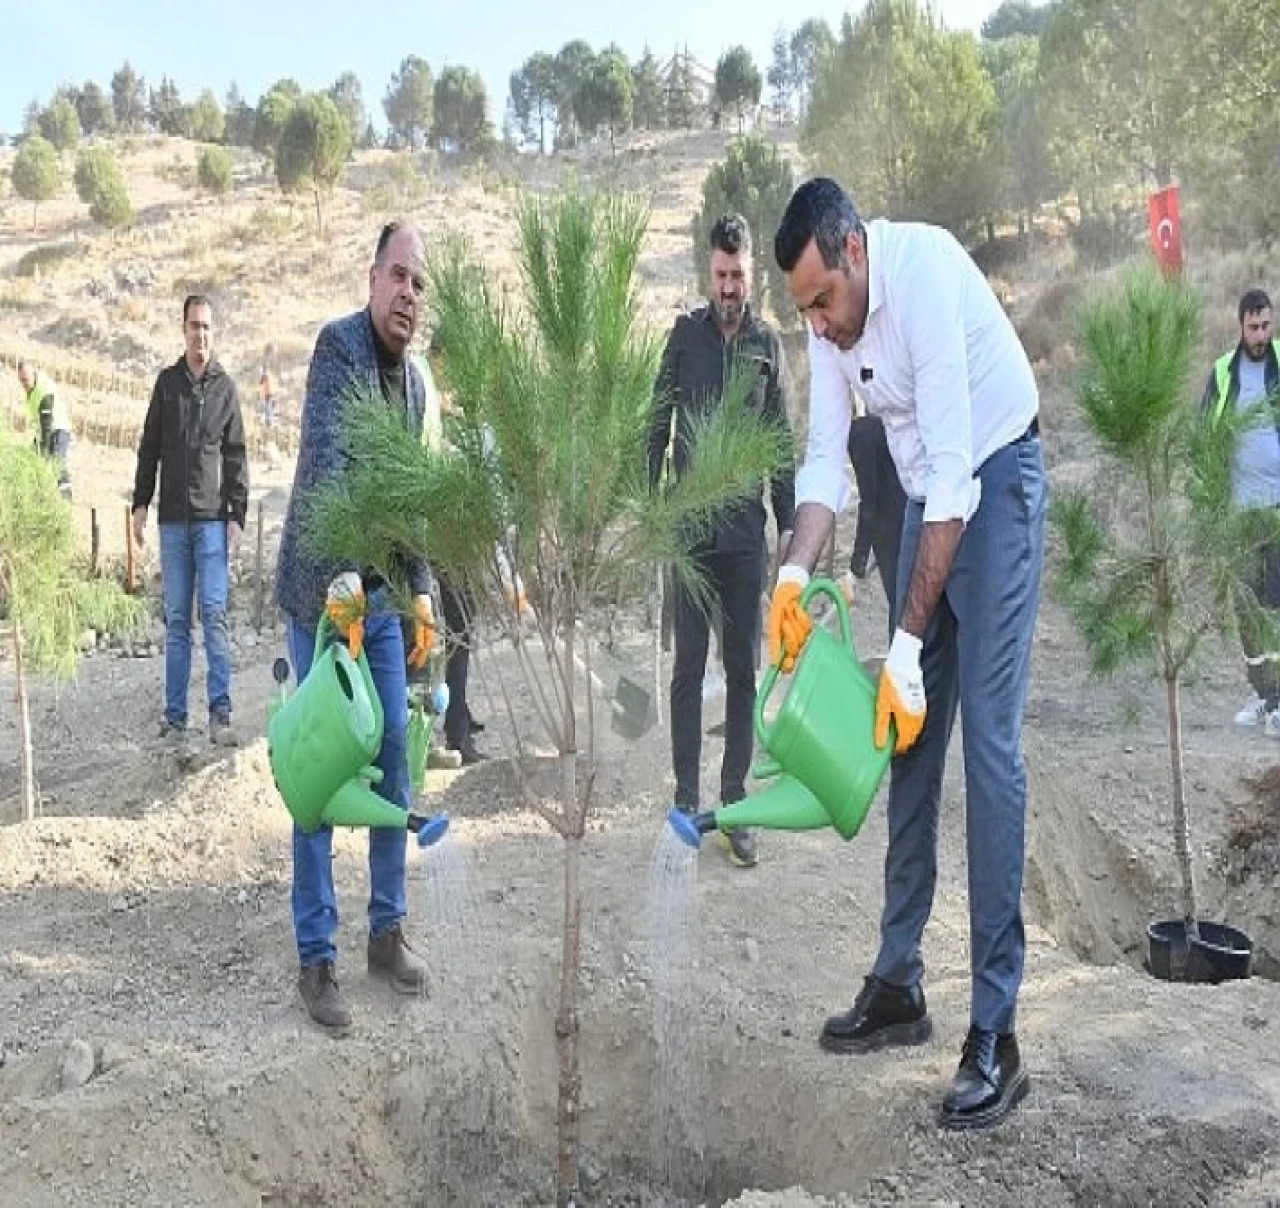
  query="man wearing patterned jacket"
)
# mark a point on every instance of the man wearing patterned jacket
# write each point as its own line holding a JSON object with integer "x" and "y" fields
{"x": 362, "y": 355}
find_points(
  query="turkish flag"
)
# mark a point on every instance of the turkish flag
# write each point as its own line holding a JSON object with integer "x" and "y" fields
{"x": 1166, "y": 229}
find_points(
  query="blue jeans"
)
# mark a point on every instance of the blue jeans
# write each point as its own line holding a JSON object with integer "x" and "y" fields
{"x": 977, "y": 654}
{"x": 315, "y": 904}
{"x": 195, "y": 554}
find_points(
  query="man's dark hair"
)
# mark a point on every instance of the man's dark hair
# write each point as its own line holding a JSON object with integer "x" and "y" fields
{"x": 1253, "y": 301}
{"x": 194, "y": 300}
{"x": 730, "y": 233}
{"x": 822, "y": 211}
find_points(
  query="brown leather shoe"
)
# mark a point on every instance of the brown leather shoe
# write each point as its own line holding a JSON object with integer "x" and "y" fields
{"x": 319, "y": 990}
{"x": 391, "y": 959}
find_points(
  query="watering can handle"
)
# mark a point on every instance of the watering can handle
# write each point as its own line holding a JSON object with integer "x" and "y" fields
{"x": 817, "y": 587}
{"x": 325, "y": 634}
{"x": 832, "y": 591}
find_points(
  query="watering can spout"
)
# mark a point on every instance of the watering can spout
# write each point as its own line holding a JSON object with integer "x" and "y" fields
{"x": 689, "y": 828}
{"x": 356, "y": 804}
{"x": 784, "y": 805}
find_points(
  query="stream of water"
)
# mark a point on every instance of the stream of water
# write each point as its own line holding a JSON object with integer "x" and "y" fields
{"x": 677, "y": 1156}
{"x": 478, "y": 1117}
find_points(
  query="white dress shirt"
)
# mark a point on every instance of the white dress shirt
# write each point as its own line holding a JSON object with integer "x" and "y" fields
{"x": 938, "y": 361}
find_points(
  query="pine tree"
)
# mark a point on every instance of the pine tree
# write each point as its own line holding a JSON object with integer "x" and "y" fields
{"x": 1156, "y": 555}
{"x": 36, "y": 175}
{"x": 44, "y": 591}
{"x": 552, "y": 404}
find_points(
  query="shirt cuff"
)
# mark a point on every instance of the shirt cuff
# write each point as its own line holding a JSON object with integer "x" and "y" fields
{"x": 823, "y": 484}
{"x": 949, "y": 502}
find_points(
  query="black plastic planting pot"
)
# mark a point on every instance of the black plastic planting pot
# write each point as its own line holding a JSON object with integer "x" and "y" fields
{"x": 1221, "y": 953}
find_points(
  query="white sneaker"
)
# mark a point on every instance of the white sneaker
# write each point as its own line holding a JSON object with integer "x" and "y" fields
{"x": 1271, "y": 727}
{"x": 1254, "y": 713}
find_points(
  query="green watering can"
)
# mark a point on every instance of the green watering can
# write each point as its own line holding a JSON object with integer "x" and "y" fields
{"x": 821, "y": 757}
{"x": 321, "y": 743}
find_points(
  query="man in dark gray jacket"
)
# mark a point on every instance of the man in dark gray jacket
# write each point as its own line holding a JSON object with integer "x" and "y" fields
{"x": 703, "y": 348}
{"x": 361, "y": 356}
{"x": 194, "y": 437}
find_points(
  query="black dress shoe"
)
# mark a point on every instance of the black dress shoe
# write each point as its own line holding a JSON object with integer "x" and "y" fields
{"x": 476, "y": 727}
{"x": 989, "y": 1084}
{"x": 882, "y": 1016}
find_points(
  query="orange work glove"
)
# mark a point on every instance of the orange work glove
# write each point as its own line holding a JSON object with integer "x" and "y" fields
{"x": 345, "y": 607}
{"x": 900, "y": 698}
{"x": 424, "y": 632}
{"x": 789, "y": 624}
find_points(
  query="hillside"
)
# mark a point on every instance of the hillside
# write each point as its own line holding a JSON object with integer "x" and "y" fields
{"x": 77, "y": 297}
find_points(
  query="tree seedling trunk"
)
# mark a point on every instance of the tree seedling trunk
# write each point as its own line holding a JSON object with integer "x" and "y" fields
{"x": 1181, "y": 819}
{"x": 569, "y": 1088}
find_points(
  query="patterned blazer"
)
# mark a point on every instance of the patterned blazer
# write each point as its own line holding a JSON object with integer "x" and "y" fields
{"x": 344, "y": 363}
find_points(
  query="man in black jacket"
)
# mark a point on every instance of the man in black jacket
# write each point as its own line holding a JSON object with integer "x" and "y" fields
{"x": 194, "y": 436}
{"x": 701, "y": 352}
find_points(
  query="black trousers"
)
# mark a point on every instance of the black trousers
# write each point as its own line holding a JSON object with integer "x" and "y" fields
{"x": 735, "y": 581}
{"x": 457, "y": 667}
{"x": 886, "y": 542}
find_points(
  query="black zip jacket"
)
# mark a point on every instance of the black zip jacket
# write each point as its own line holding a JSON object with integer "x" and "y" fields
{"x": 695, "y": 365}
{"x": 881, "y": 499}
{"x": 194, "y": 435}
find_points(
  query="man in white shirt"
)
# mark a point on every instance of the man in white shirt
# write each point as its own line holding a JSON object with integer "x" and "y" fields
{"x": 1245, "y": 378}
{"x": 900, "y": 311}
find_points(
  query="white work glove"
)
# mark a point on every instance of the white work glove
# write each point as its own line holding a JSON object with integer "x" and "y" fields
{"x": 901, "y": 694}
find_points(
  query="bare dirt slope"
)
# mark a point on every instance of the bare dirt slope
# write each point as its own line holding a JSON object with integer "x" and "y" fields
{"x": 152, "y": 1048}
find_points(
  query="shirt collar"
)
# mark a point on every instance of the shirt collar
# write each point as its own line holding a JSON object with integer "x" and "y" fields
{"x": 875, "y": 268}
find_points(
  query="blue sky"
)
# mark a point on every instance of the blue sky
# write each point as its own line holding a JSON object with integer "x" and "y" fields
{"x": 257, "y": 41}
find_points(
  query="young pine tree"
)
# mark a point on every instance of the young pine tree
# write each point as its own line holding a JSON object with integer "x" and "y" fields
{"x": 1156, "y": 556}
{"x": 45, "y": 594}
{"x": 548, "y": 475}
